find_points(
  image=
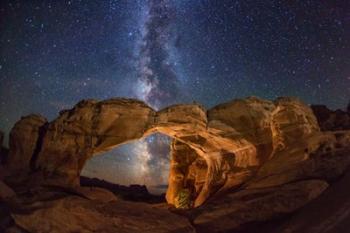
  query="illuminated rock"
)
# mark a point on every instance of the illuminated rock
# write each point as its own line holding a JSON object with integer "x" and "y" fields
{"x": 24, "y": 142}
{"x": 235, "y": 209}
{"x": 319, "y": 156}
{"x": 75, "y": 214}
{"x": 214, "y": 151}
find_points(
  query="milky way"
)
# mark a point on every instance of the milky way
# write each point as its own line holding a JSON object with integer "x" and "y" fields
{"x": 156, "y": 84}
{"x": 157, "y": 81}
{"x": 55, "y": 53}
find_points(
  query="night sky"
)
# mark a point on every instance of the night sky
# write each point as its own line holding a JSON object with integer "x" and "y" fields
{"x": 55, "y": 53}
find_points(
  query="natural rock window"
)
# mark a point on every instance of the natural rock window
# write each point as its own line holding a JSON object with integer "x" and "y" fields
{"x": 143, "y": 162}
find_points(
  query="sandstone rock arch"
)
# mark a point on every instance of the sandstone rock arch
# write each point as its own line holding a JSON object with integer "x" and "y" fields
{"x": 213, "y": 150}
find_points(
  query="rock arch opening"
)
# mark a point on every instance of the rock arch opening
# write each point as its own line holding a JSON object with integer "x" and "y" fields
{"x": 156, "y": 168}
{"x": 143, "y": 162}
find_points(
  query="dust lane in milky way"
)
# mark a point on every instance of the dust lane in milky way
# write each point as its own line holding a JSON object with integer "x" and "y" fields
{"x": 157, "y": 82}
{"x": 157, "y": 85}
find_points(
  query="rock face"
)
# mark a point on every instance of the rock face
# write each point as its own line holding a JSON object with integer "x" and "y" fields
{"x": 320, "y": 156}
{"x": 329, "y": 213}
{"x": 235, "y": 209}
{"x": 24, "y": 139}
{"x": 188, "y": 173}
{"x": 226, "y": 144}
{"x": 243, "y": 161}
{"x": 57, "y": 211}
{"x": 90, "y": 128}
{"x": 332, "y": 120}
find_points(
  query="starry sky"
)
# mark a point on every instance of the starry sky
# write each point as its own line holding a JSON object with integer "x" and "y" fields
{"x": 55, "y": 53}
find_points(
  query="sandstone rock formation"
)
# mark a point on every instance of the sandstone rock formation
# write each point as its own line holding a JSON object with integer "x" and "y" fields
{"x": 25, "y": 142}
{"x": 327, "y": 214}
{"x": 242, "y": 161}
{"x": 320, "y": 156}
{"x": 235, "y": 209}
{"x": 58, "y": 211}
{"x": 231, "y": 140}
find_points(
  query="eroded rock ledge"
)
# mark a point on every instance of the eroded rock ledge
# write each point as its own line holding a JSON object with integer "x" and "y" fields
{"x": 245, "y": 160}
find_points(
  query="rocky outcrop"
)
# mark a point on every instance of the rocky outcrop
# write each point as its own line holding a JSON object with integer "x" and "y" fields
{"x": 58, "y": 211}
{"x": 332, "y": 120}
{"x": 225, "y": 145}
{"x": 24, "y": 140}
{"x": 91, "y": 127}
{"x": 327, "y": 214}
{"x": 289, "y": 180}
{"x": 321, "y": 156}
{"x": 244, "y": 161}
{"x": 235, "y": 209}
{"x": 292, "y": 121}
{"x": 186, "y": 176}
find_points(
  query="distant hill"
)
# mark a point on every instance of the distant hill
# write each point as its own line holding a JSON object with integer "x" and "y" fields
{"x": 158, "y": 189}
{"x": 135, "y": 192}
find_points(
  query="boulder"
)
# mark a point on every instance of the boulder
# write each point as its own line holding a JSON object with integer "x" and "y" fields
{"x": 292, "y": 121}
{"x": 24, "y": 143}
{"x": 76, "y": 214}
{"x": 327, "y": 213}
{"x": 235, "y": 209}
{"x": 321, "y": 156}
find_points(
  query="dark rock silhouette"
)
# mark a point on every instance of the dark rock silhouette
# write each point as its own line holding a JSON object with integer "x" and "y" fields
{"x": 3, "y": 150}
{"x": 332, "y": 120}
{"x": 138, "y": 193}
